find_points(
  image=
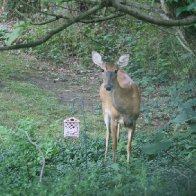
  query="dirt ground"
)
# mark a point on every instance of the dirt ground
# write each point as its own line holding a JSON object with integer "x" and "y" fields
{"x": 70, "y": 83}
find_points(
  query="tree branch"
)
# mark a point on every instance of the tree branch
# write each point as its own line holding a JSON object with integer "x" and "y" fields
{"x": 57, "y": 17}
{"x": 143, "y": 6}
{"x": 45, "y": 22}
{"x": 141, "y": 16}
{"x": 55, "y": 31}
{"x": 183, "y": 41}
{"x": 41, "y": 153}
{"x": 101, "y": 19}
{"x": 54, "y": 15}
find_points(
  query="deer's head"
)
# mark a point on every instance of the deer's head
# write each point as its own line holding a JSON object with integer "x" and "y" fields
{"x": 110, "y": 70}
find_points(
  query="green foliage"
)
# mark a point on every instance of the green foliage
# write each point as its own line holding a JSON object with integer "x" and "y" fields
{"x": 187, "y": 112}
{"x": 156, "y": 147}
{"x": 67, "y": 172}
{"x": 18, "y": 30}
{"x": 105, "y": 38}
{"x": 182, "y": 7}
{"x": 188, "y": 8}
{"x": 3, "y": 32}
{"x": 18, "y": 158}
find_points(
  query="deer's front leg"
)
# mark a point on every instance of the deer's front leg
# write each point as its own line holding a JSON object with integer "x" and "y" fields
{"x": 114, "y": 138}
{"x": 107, "y": 120}
{"x": 118, "y": 131}
{"x": 107, "y": 142}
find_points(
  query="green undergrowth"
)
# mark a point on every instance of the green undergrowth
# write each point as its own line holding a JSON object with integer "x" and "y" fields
{"x": 78, "y": 168}
{"x": 31, "y": 128}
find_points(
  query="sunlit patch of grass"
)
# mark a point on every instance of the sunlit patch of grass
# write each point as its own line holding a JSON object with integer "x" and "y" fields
{"x": 26, "y": 100}
{"x": 20, "y": 99}
{"x": 11, "y": 65}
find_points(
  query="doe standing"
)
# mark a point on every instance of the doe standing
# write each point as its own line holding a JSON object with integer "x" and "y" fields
{"x": 120, "y": 101}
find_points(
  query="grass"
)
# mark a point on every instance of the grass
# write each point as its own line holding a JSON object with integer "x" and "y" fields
{"x": 21, "y": 99}
{"x": 77, "y": 167}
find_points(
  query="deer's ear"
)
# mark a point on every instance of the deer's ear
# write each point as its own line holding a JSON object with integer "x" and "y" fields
{"x": 123, "y": 60}
{"x": 97, "y": 59}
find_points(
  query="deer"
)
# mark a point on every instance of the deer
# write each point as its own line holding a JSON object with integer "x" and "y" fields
{"x": 120, "y": 98}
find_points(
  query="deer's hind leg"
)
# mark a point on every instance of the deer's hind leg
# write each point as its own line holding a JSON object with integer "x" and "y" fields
{"x": 131, "y": 131}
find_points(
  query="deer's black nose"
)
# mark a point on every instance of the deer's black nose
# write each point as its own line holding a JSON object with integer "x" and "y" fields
{"x": 108, "y": 88}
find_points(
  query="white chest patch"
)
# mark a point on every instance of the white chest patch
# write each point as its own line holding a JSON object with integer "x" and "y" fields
{"x": 107, "y": 118}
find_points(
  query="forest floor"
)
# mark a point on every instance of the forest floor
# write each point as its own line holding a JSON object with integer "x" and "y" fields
{"x": 69, "y": 83}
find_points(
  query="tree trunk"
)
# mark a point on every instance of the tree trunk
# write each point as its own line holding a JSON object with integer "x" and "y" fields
{"x": 186, "y": 35}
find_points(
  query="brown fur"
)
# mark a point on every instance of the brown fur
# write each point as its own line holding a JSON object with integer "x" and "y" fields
{"x": 120, "y": 101}
{"x": 123, "y": 101}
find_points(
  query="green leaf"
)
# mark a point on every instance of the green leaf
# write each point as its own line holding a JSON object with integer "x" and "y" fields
{"x": 187, "y": 112}
{"x": 17, "y": 32}
{"x": 188, "y": 8}
{"x": 193, "y": 128}
{"x": 189, "y": 103}
{"x": 4, "y": 131}
{"x": 115, "y": 166}
{"x": 154, "y": 148}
